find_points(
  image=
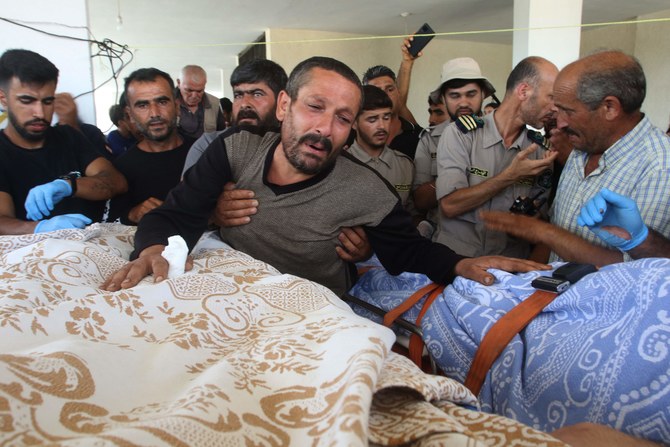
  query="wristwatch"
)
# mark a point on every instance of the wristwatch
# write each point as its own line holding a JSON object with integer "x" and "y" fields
{"x": 72, "y": 176}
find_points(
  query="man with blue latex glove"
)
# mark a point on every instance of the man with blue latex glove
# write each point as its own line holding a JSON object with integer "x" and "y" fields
{"x": 41, "y": 199}
{"x": 598, "y": 101}
{"x": 608, "y": 213}
{"x": 616, "y": 220}
{"x": 62, "y": 223}
{"x": 45, "y": 170}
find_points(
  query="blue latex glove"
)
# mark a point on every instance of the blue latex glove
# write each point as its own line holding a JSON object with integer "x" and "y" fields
{"x": 42, "y": 198}
{"x": 609, "y": 209}
{"x": 62, "y": 222}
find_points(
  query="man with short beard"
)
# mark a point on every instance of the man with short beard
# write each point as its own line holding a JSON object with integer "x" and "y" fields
{"x": 404, "y": 132}
{"x": 255, "y": 85}
{"x": 372, "y": 130}
{"x": 308, "y": 188}
{"x": 153, "y": 166}
{"x": 462, "y": 90}
{"x": 51, "y": 178}
{"x": 487, "y": 165}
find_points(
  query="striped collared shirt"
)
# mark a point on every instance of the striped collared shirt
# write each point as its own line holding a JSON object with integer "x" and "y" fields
{"x": 637, "y": 166}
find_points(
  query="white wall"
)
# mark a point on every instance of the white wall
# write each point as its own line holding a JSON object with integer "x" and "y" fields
{"x": 621, "y": 37}
{"x": 646, "y": 41}
{"x": 494, "y": 59}
{"x": 649, "y": 43}
{"x": 71, "y": 57}
{"x": 652, "y": 44}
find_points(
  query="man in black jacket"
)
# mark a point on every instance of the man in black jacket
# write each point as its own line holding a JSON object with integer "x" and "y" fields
{"x": 311, "y": 190}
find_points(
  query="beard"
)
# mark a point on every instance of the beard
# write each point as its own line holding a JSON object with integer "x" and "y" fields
{"x": 532, "y": 114}
{"x": 150, "y": 135}
{"x": 372, "y": 143}
{"x": 462, "y": 111}
{"x": 24, "y": 132}
{"x": 270, "y": 121}
{"x": 305, "y": 162}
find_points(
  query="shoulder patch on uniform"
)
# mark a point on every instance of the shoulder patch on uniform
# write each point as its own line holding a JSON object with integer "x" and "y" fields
{"x": 467, "y": 123}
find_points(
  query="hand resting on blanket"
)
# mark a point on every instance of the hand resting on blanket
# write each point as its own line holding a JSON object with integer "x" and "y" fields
{"x": 149, "y": 262}
{"x": 476, "y": 268}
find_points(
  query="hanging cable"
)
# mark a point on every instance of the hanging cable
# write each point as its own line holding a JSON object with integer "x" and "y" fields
{"x": 118, "y": 56}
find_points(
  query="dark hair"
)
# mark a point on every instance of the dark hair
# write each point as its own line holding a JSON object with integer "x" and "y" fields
{"x": 301, "y": 74}
{"x": 123, "y": 102}
{"x": 146, "y": 75}
{"x": 260, "y": 70}
{"x": 377, "y": 72}
{"x": 623, "y": 79}
{"x": 226, "y": 104}
{"x": 435, "y": 99}
{"x": 458, "y": 83}
{"x": 116, "y": 114}
{"x": 28, "y": 66}
{"x": 375, "y": 98}
{"x": 525, "y": 71}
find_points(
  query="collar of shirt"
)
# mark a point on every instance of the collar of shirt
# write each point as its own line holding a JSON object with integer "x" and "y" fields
{"x": 492, "y": 136}
{"x": 623, "y": 148}
{"x": 386, "y": 156}
{"x": 437, "y": 130}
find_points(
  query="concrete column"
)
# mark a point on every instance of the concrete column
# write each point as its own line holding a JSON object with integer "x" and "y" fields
{"x": 547, "y": 28}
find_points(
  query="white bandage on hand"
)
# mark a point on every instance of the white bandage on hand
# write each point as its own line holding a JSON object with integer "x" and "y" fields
{"x": 175, "y": 254}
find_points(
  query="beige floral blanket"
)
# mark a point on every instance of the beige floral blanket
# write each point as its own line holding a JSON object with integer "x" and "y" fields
{"x": 231, "y": 353}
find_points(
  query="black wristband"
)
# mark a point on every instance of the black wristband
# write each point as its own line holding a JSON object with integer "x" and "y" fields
{"x": 72, "y": 177}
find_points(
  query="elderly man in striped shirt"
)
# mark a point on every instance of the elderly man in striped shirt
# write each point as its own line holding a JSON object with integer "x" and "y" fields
{"x": 598, "y": 100}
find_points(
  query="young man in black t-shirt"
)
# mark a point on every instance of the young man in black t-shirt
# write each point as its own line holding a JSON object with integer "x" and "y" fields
{"x": 50, "y": 178}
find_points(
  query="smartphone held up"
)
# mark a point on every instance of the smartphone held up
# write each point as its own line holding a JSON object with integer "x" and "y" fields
{"x": 420, "y": 39}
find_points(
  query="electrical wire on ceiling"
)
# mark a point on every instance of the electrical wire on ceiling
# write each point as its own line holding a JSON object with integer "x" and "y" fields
{"x": 118, "y": 56}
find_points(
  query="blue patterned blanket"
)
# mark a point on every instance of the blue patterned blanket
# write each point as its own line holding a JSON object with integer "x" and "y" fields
{"x": 600, "y": 352}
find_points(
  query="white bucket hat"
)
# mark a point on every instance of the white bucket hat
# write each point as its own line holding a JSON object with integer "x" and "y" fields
{"x": 462, "y": 68}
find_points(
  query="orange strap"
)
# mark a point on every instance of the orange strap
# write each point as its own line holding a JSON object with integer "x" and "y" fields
{"x": 415, "y": 343}
{"x": 501, "y": 333}
{"x": 414, "y": 298}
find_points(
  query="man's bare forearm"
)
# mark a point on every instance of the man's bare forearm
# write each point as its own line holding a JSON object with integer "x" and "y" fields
{"x": 470, "y": 198}
{"x": 571, "y": 247}
{"x": 12, "y": 225}
{"x": 568, "y": 246}
{"x": 654, "y": 246}
{"x": 101, "y": 186}
{"x": 424, "y": 197}
{"x": 403, "y": 82}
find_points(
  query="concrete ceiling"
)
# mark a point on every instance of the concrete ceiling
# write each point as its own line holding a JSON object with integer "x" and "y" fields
{"x": 213, "y": 32}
